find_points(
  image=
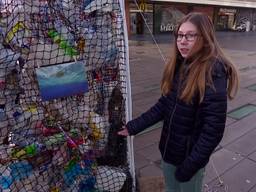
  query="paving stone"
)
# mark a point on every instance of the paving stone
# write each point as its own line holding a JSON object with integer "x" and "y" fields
{"x": 253, "y": 189}
{"x": 144, "y": 140}
{"x": 239, "y": 128}
{"x": 254, "y": 102}
{"x": 245, "y": 144}
{"x": 153, "y": 127}
{"x": 248, "y": 71}
{"x": 146, "y": 100}
{"x": 139, "y": 110}
{"x": 220, "y": 161}
{"x": 246, "y": 82}
{"x": 151, "y": 184}
{"x": 150, "y": 171}
{"x": 242, "y": 111}
{"x": 148, "y": 82}
{"x": 252, "y": 87}
{"x": 136, "y": 89}
{"x": 158, "y": 163}
{"x": 141, "y": 96}
{"x": 253, "y": 156}
{"x": 140, "y": 161}
{"x": 153, "y": 74}
{"x": 240, "y": 178}
{"x": 230, "y": 121}
{"x": 244, "y": 97}
{"x": 151, "y": 152}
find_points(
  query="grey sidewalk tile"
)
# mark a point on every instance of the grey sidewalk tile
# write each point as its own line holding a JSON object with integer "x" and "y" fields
{"x": 253, "y": 189}
{"x": 238, "y": 129}
{"x": 140, "y": 161}
{"x": 136, "y": 89}
{"x": 144, "y": 140}
{"x": 247, "y": 82}
{"x": 151, "y": 184}
{"x": 242, "y": 111}
{"x": 240, "y": 178}
{"x": 146, "y": 83}
{"x": 245, "y": 144}
{"x": 248, "y": 79}
{"x": 143, "y": 81}
{"x": 149, "y": 95}
{"x": 244, "y": 97}
{"x": 253, "y": 156}
{"x": 230, "y": 121}
{"x": 252, "y": 87}
{"x": 248, "y": 69}
{"x": 146, "y": 100}
{"x": 151, "y": 152}
{"x": 221, "y": 161}
{"x": 143, "y": 102}
{"x": 153, "y": 127}
{"x": 150, "y": 171}
{"x": 138, "y": 111}
{"x": 141, "y": 108}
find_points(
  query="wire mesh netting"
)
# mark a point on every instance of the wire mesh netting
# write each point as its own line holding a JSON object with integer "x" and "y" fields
{"x": 62, "y": 96}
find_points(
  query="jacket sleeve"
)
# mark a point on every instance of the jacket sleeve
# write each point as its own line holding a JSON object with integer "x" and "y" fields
{"x": 212, "y": 114}
{"x": 150, "y": 117}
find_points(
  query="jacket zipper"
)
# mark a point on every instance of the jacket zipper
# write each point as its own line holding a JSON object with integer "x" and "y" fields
{"x": 188, "y": 145}
{"x": 169, "y": 127}
{"x": 170, "y": 123}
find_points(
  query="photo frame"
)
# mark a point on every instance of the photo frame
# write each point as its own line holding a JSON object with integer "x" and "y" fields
{"x": 62, "y": 80}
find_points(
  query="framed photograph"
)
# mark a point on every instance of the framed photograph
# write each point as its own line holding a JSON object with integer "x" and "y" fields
{"x": 62, "y": 80}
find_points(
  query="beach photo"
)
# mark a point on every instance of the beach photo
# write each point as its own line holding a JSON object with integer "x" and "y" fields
{"x": 62, "y": 80}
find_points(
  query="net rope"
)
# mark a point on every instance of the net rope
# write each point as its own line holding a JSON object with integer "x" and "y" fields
{"x": 62, "y": 96}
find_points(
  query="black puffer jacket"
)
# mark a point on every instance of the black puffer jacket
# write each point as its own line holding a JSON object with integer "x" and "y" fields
{"x": 190, "y": 132}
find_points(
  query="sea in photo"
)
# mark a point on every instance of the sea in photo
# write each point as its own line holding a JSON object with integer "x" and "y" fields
{"x": 62, "y": 80}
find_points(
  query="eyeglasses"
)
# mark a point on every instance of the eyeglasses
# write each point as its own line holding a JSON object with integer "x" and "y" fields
{"x": 188, "y": 37}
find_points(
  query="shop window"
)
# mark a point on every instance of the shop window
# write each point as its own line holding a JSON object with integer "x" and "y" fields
{"x": 166, "y": 18}
{"x": 226, "y": 19}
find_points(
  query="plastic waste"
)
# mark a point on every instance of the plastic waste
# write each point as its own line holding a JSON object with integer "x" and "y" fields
{"x": 20, "y": 170}
{"x": 109, "y": 178}
{"x": 104, "y": 5}
{"x": 63, "y": 44}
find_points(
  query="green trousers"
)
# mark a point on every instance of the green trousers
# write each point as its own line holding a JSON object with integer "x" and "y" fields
{"x": 172, "y": 185}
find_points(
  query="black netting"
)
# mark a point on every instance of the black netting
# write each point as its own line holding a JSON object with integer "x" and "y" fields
{"x": 62, "y": 96}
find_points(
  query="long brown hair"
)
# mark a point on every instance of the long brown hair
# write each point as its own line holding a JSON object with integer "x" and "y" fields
{"x": 201, "y": 63}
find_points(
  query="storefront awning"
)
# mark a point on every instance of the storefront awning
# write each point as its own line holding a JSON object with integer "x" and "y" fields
{"x": 229, "y": 3}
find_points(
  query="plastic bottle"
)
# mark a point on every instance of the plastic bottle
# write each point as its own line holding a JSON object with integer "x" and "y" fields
{"x": 63, "y": 44}
{"x": 5, "y": 178}
{"x": 20, "y": 170}
{"x": 27, "y": 151}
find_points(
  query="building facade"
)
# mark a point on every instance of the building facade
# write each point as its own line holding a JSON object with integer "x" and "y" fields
{"x": 162, "y": 15}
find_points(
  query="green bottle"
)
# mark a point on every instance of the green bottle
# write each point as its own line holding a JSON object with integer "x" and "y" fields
{"x": 63, "y": 44}
{"x": 30, "y": 149}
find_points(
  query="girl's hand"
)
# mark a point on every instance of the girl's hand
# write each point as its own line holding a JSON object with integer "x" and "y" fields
{"x": 124, "y": 132}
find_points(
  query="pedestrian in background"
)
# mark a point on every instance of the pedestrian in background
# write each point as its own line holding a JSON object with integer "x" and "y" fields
{"x": 195, "y": 86}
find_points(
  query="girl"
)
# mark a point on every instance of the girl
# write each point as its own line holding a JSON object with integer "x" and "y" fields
{"x": 195, "y": 86}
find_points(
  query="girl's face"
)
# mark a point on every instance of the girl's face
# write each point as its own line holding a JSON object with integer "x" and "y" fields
{"x": 186, "y": 39}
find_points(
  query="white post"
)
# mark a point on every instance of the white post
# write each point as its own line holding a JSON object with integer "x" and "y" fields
{"x": 128, "y": 100}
